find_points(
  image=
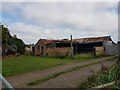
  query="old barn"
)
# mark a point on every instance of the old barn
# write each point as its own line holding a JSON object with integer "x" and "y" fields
{"x": 93, "y": 45}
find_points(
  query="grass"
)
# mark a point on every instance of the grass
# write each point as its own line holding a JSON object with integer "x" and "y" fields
{"x": 102, "y": 77}
{"x": 60, "y": 73}
{"x": 18, "y": 65}
{"x": 45, "y": 78}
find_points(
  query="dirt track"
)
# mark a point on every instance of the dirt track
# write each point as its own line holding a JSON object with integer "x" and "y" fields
{"x": 74, "y": 78}
{"x": 23, "y": 80}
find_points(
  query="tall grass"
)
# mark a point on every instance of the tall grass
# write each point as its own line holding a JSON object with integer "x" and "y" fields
{"x": 102, "y": 78}
{"x": 107, "y": 76}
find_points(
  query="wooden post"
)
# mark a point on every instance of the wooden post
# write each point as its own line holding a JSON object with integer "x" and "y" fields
{"x": 71, "y": 46}
{"x": 76, "y": 48}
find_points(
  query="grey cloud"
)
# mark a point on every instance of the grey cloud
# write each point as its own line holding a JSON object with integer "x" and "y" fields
{"x": 59, "y": 20}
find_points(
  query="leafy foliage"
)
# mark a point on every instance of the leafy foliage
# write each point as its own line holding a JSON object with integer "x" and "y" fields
{"x": 8, "y": 40}
{"x": 5, "y": 35}
{"x": 20, "y": 45}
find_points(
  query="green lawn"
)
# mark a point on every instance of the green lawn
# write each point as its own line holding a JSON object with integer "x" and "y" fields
{"x": 17, "y": 65}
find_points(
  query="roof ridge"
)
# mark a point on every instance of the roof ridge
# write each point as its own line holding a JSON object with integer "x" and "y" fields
{"x": 93, "y": 37}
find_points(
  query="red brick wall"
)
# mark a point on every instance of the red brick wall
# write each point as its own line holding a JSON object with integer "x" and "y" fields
{"x": 58, "y": 51}
{"x": 39, "y": 52}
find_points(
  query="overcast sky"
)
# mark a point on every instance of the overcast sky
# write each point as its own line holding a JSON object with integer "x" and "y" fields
{"x": 31, "y": 21}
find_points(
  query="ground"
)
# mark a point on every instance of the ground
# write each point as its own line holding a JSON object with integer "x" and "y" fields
{"x": 13, "y": 65}
{"x": 52, "y": 69}
{"x": 72, "y": 79}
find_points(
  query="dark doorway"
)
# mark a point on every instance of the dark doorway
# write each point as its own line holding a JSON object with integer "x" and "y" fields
{"x": 42, "y": 50}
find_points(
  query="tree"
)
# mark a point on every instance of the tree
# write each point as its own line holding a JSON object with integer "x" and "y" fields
{"x": 8, "y": 40}
{"x": 5, "y": 35}
{"x": 20, "y": 45}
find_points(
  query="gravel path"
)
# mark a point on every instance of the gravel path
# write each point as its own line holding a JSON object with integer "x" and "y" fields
{"x": 22, "y": 80}
{"x": 74, "y": 78}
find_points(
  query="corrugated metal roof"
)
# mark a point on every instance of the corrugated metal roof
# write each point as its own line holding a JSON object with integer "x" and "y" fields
{"x": 51, "y": 41}
{"x": 48, "y": 41}
{"x": 81, "y": 40}
{"x": 94, "y": 39}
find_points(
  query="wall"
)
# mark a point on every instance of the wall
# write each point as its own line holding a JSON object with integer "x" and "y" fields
{"x": 51, "y": 45}
{"x": 111, "y": 49}
{"x": 29, "y": 50}
{"x": 39, "y": 52}
{"x": 58, "y": 51}
{"x": 99, "y": 50}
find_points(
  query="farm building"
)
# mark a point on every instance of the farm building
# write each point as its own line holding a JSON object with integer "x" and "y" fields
{"x": 94, "y": 45}
{"x": 51, "y": 47}
{"x": 29, "y": 49}
{"x": 98, "y": 45}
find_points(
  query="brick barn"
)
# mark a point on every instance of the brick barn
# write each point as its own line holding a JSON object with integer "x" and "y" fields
{"x": 52, "y": 47}
{"x": 94, "y": 45}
